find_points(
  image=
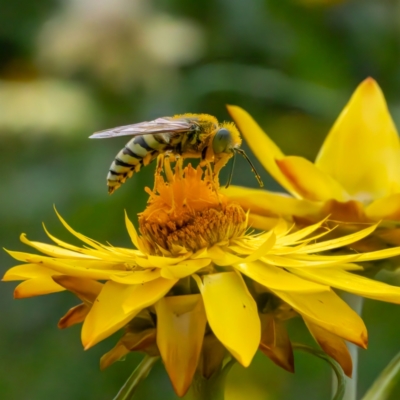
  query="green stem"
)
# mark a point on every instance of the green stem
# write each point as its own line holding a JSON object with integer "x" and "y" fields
{"x": 356, "y": 303}
{"x": 213, "y": 388}
{"x": 337, "y": 369}
{"x": 383, "y": 386}
{"x": 140, "y": 373}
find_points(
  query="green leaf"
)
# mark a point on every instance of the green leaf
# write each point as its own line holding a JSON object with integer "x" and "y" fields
{"x": 382, "y": 387}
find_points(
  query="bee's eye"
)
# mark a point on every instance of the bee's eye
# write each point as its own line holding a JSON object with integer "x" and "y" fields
{"x": 222, "y": 141}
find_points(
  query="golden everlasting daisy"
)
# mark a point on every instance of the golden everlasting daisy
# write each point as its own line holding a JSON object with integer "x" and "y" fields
{"x": 355, "y": 177}
{"x": 198, "y": 287}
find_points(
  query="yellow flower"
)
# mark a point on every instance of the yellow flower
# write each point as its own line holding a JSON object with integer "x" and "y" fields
{"x": 355, "y": 177}
{"x": 198, "y": 287}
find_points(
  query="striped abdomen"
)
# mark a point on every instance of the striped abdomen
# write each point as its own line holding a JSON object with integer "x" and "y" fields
{"x": 138, "y": 152}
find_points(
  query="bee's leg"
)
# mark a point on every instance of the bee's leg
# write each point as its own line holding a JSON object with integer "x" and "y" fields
{"x": 224, "y": 158}
{"x": 204, "y": 158}
{"x": 159, "y": 168}
{"x": 210, "y": 177}
{"x": 167, "y": 168}
{"x": 179, "y": 166}
{"x": 160, "y": 164}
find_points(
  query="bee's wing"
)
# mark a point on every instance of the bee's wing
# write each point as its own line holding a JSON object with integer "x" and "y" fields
{"x": 159, "y": 125}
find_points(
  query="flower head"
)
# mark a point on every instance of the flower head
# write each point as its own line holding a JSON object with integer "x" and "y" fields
{"x": 198, "y": 286}
{"x": 355, "y": 177}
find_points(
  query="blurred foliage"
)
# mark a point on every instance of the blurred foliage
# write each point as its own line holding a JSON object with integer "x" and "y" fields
{"x": 71, "y": 67}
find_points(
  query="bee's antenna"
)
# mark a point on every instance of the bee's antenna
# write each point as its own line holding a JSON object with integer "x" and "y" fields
{"x": 231, "y": 172}
{"x": 258, "y": 177}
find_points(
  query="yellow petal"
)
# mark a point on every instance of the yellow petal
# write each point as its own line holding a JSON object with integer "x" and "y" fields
{"x": 116, "y": 305}
{"x": 115, "y": 354}
{"x": 277, "y": 278}
{"x": 303, "y": 260}
{"x": 261, "y": 145}
{"x": 148, "y": 293}
{"x": 181, "y": 323}
{"x": 75, "y": 315}
{"x": 385, "y": 208}
{"x": 269, "y": 241}
{"x": 232, "y": 314}
{"x": 275, "y": 342}
{"x": 310, "y": 182}
{"x": 83, "y": 238}
{"x": 296, "y": 237}
{"x": 333, "y": 346}
{"x": 36, "y": 287}
{"x": 132, "y": 231}
{"x": 86, "y": 289}
{"x": 221, "y": 257}
{"x": 329, "y": 311}
{"x": 136, "y": 277}
{"x": 340, "y": 241}
{"x": 270, "y": 204}
{"x": 63, "y": 244}
{"x": 70, "y": 267}
{"x": 362, "y": 150}
{"x": 133, "y": 234}
{"x": 159, "y": 262}
{"x": 184, "y": 268}
{"x": 260, "y": 222}
{"x": 53, "y": 251}
{"x": 379, "y": 254}
{"x": 352, "y": 283}
{"x": 26, "y": 271}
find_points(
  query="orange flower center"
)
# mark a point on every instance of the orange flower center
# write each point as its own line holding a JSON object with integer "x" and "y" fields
{"x": 187, "y": 213}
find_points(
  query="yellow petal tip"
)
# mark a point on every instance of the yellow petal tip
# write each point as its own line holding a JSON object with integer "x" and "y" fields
{"x": 369, "y": 87}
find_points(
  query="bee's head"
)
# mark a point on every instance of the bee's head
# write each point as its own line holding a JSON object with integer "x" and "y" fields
{"x": 226, "y": 139}
{"x": 222, "y": 141}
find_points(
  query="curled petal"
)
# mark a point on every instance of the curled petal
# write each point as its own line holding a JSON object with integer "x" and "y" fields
{"x": 117, "y": 304}
{"x": 83, "y": 268}
{"x": 36, "y": 287}
{"x": 312, "y": 183}
{"x": 86, "y": 289}
{"x": 340, "y": 241}
{"x": 181, "y": 323}
{"x": 115, "y": 354}
{"x": 327, "y": 310}
{"x": 362, "y": 150}
{"x": 136, "y": 277}
{"x": 352, "y": 283}
{"x": 53, "y": 251}
{"x": 277, "y": 278}
{"x": 271, "y": 204}
{"x": 74, "y": 316}
{"x": 27, "y": 271}
{"x": 332, "y": 345}
{"x": 275, "y": 342}
{"x": 184, "y": 268}
{"x": 262, "y": 146}
{"x": 232, "y": 314}
{"x": 386, "y": 208}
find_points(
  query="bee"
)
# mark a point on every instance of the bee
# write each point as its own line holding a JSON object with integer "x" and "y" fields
{"x": 187, "y": 136}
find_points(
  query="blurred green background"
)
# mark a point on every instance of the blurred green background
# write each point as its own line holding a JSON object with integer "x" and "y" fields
{"x": 69, "y": 68}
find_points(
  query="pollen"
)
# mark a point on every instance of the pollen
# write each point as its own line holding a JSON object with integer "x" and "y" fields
{"x": 186, "y": 212}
